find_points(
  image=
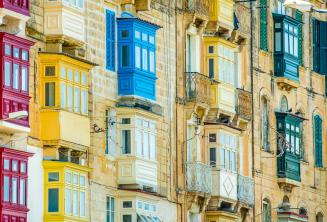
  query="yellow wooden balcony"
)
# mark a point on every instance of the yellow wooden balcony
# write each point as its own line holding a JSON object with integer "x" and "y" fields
{"x": 64, "y": 117}
{"x": 223, "y": 98}
{"x": 221, "y": 16}
{"x": 66, "y": 192}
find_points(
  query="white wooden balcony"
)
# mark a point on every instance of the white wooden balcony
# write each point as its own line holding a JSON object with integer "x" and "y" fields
{"x": 224, "y": 184}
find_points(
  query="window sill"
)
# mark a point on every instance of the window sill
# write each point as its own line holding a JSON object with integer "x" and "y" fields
{"x": 268, "y": 151}
{"x": 305, "y": 162}
{"x": 321, "y": 168}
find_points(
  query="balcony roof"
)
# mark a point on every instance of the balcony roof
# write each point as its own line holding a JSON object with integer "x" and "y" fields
{"x": 70, "y": 56}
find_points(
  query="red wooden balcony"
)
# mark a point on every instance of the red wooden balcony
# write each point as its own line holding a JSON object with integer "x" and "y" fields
{"x": 14, "y": 90}
{"x": 19, "y": 6}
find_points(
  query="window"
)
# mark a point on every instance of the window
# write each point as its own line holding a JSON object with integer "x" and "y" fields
{"x": 125, "y": 56}
{"x": 24, "y": 78}
{"x": 126, "y": 141}
{"x": 6, "y": 187}
{"x": 319, "y": 217}
{"x": 110, "y": 40}
{"x": 291, "y": 39}
{"x": 212, "y": 138}
{"x": 75, "y": 203}
{"x": 263, "y": 25}
{"x": 7, "y": 73}
{"x": 319, "y": 43}
{"x": 127, "y": 204}
{"x": 127, "y": 218}
{"x": 6, "y": 164}
{"x": 68, "y": 200}
{"x": 318, "y": 140}
{"x": 50, "y": 71}
{"x": 22, "y": 192}
{"x": 23, "y": 167}
{"x": 280, "y": 7}
{"x": 50, "y": 94}
{"x": 283, "y": 104}
{"x": 227, "y": 154}
{"x": 293, "y": 137}
{"x": 110, "y": 209}
{"x": 266, "y": 211}
{"x": 226, "y": 64}
{"x": 265, "y": 140}
{"x": 82, "y": 204}
{"x": 53, "y": 177}
{"x": 211, "y": 68}
{"x": 78, "y": 4}
{"x": 145, "y": 138}
{"x": 213, "y": 157}
{"x": 53, "y": 200}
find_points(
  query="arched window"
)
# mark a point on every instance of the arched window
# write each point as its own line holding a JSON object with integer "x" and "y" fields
{"x": 318, "y": 140}
{"x": 283, "y": 104}
{"x": 265, "y": 123}
{"x": 319, "y": 217}
{"x": 266, "y": 211}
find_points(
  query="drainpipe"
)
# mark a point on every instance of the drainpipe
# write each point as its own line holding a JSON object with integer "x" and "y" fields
{"x": 252, "y": 101}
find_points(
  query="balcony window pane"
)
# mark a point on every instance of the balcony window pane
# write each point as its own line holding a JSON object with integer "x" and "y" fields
{"x": 151, "y": 39}
{"x": 127, "y": 204}
{"x": 231, "y": 73}
{"x": 24, "y": 78}
{"x": 75, "y": 179}
{"x": 6, "y": 164}
{"x": 212, "y": 154}
{"x": 145, "y": 59}
{"x": 211, "y": 65}
{"x": 84, "y": 79}
{"x": 70, "y": 97}
{"x": 7, "y": 73}
{"x": 222, "y": 158}
{"x": 63, "y": 95}
{"x": 84, "y": 101}
{"x": 221, "y": 69}
{"x": 7, "y": 50}
{"x": 77, "y": 101}
{"x": 16, "y": 52}
{"x": 70, "y": 75}
{"x": 278, "y": 41}
{"x": 124, "y": 34}
{"x": 286, "y": 42}
{"x": 295, "y": 47}
{"x": 82, "y": 204}
{"x": 68, "y": 177}
{"x": 146, "y": 144}
{"x": 14, "y": 166}
{"x": 77, "y": 77}
{"x": 6, "y": 188}
{"x": 139, "y": 147}
{"x": 53, "y": 177}
{"x": 152, "y": 147}
{"x": 126, "y": 141}
{"x": 144, "y": 37}
{"x": 80, "y": 4}
{"x": 68, "y": 199}
{"x": 14, "y": 189}
{"x": 16, "y": 77}
{"x": 125, "y": 56}
{"x": 24, "y": 55}
{"x": 227, "y": 160}
{"x": 53, "y": 200}
{"x": 137, "y": 57}
{"x": 22, "y": 192}
{"x": 127, "y": 218}
{"x": 233, "y": 161}
{"x": 137, "y": 35}
{"x": 63, "y": 72}
{"x": 82, "y": 180}
{"x": 50, "y": 71}
{"x": 291, "y": 44}
{"x": 151, "y": 61}
{"x": 50, "y": 94}
{"x": 75, "y": 202}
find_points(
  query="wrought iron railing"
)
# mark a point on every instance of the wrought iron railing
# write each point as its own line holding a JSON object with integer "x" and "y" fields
{"x": 198, "y": 177}
{"x": 245, "y": 190}
{"x": 197, "y": 6}
{"x": 197, "y": 87}
{"x": 244, "y": 101}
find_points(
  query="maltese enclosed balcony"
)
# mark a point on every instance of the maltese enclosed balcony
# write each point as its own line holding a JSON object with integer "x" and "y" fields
{"x": 221, "y": 16}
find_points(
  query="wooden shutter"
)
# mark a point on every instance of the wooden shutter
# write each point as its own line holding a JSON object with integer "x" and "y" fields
{"x": 299, "y": 17}
{"x": 318, "y": 140}
{"x": 323, "y": 47}
{"x": 110, "y": 40}
{"x": 315, "y": 49}
{"x": 263, "y": 25}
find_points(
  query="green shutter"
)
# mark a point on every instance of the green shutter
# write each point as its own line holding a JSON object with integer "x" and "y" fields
{"x": 318, "y": 141}
{"x": 315, "y": 48}
{"x": 299, "y": 17}
{"x": 263, "y": 25}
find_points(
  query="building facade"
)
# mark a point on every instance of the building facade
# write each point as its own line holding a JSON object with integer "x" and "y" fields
{"x": 162, "y": 110}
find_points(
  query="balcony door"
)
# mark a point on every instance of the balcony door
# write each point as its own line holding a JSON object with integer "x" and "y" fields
{"x": 193, "y": 143}
{"x": 192, "y": 51}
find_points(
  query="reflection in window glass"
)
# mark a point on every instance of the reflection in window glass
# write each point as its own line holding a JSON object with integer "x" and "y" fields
{"x": 24, "y": 78}
{"x": 6, "y": 163}
{"x": 53, "y": 200}
{"x": 53, "y": 177}
{"x": 151, "y": 61}
{"x": 16, "y": 52}
{"x": 7, "y": 73}
{"x": 68, "y": 198}
{"x": 137, "y": 57}
{"x": 14, "y": 166}
{"x": 63, "y": 95}
{"x": 14, "y": 189}
{"x": 6, "y": 188}
{"x": 145, "y": 59}
{"x": 7, "y": 50}
{"x": 22, "y": 192}
{"x": 16, "y": 77}
{"x": 125, "y": 56}
{"x": 24, "y": 55}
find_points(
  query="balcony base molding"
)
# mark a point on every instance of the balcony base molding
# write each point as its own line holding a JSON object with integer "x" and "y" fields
{"x": 11, "y": 128}
{"x": 65, "y": 44}
{"x": 287, "y": 185}
{"x": 197, "y": 203}
{"x": 139, "y": 103}
{"x": 286, "y": 84}
{"x": 219, "y": 29}
{"x": 12, "y": 22}
{"x": 216, "y": 203}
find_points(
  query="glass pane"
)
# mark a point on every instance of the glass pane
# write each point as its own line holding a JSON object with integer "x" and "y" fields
{"x": 7, "y": 73}
{"x": 82, "y": 180}
{"x": 152, "y": 61}
{"x": 127, "y": 204}
{"x": 24, "y": 55}
{"x": 211, "y": 69}
{"x": 75, "y": 202}
{"x": 84, "y": 102}
{"x": 82, "y": 204}
{"x": 16, "y": 52}
{"x": 77, "y": 100}
{"x": 53, "y": 200}
{"x": 291, "y": 44}
{"x": 211, "y": 49}
{"x": 151, "y": 39}
{"x": 124, "y": 34}
{"x": 278, "y": 41}
{"x": 146, "y": 144}
{"x": 125, "y": 56}
{"x": 296, "y": 46}
{"x": 75, "y": 179}
{"x": 144, "y": 59}
{"x": 50, "y": 94}
{"x": 126, "y": 141}
{"x": 16, "y": 76}
{"x": 152, "y": 147}
{"x": 286, "y": 42}
{"x": 24, "y": 78}
{"x": 233, "y": 161}
{"x": 144, "y": 37}
{"x": 6, "y": 163}
{"x": 14, "y": 166}
{"x": 222, "y": 158}
{"x": 138, "y": 136}
{"x": 80, "y": 4}
{"x": 68, "y": 177}
{"x": 22, "y": 192}
{"x": 227, "y": 160}
{"x": 70, "y": 75}
{"x": 70, "y": 97}
{"x": 127, "y": 218}
{"x": 212, "y": 154}
{"x": 7, "y": 50}
{"x": 63, "y": 95}
{"x": 137, "y": 57}
{"x": 23, "y": 167}
{"x": 14, "y": 189}
{"x": 63, "y": 72}
{"x": 68, "y": 199}
{"x": 6, "y": 188}
{"x": 53, "y": 177}
{"x": 84, "y": 79}
{"x": 77, "y": 77}
{"x": 50, "y": 71}
{"x": 137, "y": 35}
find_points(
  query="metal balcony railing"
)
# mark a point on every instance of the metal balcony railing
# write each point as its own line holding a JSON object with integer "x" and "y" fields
{"x": 197, "y": 6}
{"x": 244, "y": 101}
{"x": 199, "y": 178}
{"x": 197, "y": 87}
{"x": 245, "y": 190}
